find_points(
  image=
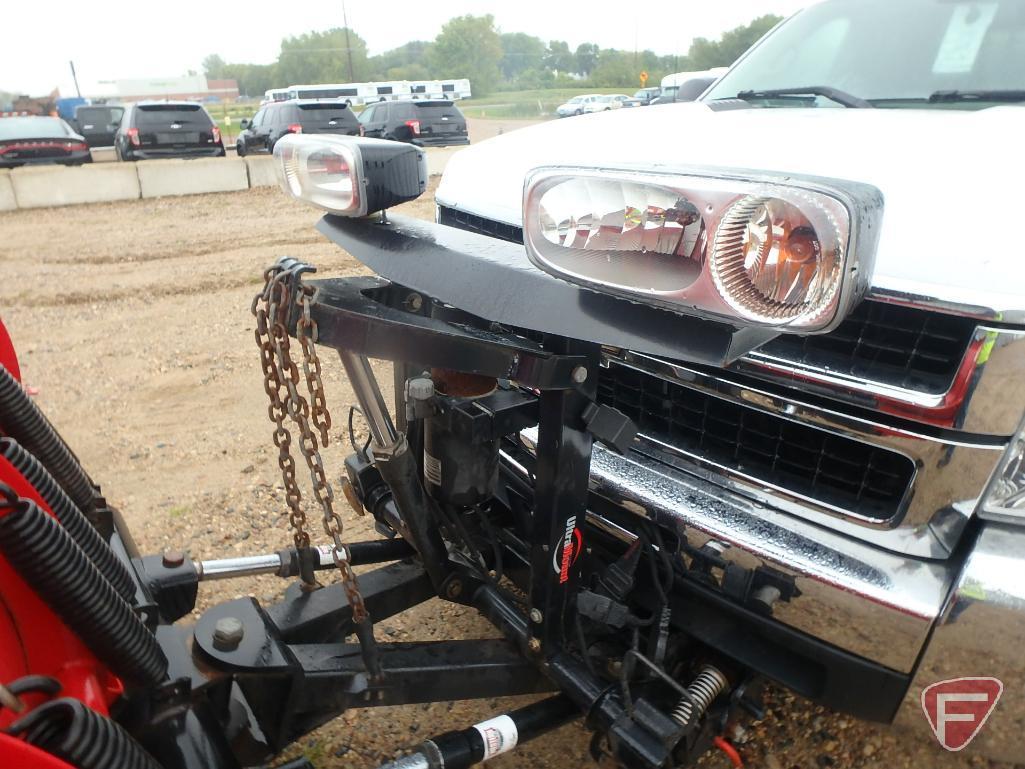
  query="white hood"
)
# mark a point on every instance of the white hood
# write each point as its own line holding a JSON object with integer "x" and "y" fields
{"x": 951, "y": 179}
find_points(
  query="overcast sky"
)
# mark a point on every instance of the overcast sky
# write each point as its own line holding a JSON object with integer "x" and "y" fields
{"x": 165, "y": 39}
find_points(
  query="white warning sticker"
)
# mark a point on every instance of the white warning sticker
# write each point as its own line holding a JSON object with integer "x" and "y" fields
{"x": 499, "y": 735}
{"x": 969, "y": 23}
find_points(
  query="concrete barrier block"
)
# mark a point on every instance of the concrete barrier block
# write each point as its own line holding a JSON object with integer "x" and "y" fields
{"x": 7, "y": 199}
{"x": 46, "y": 186}
{"x": 158, "y": 178}
{"x": 261, "y": 171}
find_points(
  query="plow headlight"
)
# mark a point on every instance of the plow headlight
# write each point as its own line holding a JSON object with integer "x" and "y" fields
{"x": 783, "y": 253}
{"x": 349, "y": 175}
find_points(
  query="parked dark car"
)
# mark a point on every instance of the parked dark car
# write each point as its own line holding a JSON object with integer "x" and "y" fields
{"x": 644, "y": 96}
{"x": 31, "y": 140}
{"x": 167, "y": 129}
{"x": 98, "y": 123}
{"x": 689, "y": 90}
{"x": 312, "y": 116}
{"x": 434, "y": 123}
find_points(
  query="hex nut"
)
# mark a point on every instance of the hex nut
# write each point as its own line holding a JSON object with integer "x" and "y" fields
{"x": 454, "y": 589}
{"x": 228, "y": 633}
{"x": 420, "y": 388}
{"x": 579, "y": 375}
{"x": 536, "y": 616}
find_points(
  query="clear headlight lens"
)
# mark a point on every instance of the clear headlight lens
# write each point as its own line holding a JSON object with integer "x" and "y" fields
{"x": 757, "y": 252}
{"x": 349, "y": 175}
{"x": 772, "y": 263}
{"x": 1004, "y": 500}
{"x": 322, "y": 173}
{"x": 615, "y": 232}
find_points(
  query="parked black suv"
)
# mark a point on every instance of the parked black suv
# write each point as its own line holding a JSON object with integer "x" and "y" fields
{"x": 434, "y": 123}
{"x": 167, "y": 129}
{"x": 310, "y": 116}
{"x": 98, "y": 123}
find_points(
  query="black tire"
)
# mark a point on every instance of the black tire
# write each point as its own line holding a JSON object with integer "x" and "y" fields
{"x": 240, "y": 149}
{"x": 578, "y": 112}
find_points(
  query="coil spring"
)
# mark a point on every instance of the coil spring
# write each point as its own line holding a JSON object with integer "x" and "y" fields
{"x": 70, "y": 516}
{"x": 81, "y": 737}
{"x": 47, "y": 558}
{"x": 22, "y": 420}
{"x": 703, "y": 690}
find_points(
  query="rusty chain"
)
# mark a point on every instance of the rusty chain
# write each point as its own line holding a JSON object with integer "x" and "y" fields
{"x": 281, "y": 378}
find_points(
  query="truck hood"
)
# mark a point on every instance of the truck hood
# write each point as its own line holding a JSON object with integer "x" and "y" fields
{"x": 949, "y": 179}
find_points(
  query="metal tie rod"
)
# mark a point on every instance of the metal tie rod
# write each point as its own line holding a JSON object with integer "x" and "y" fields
{"x": 285, "y": 563}
{"x": 483, "y": 741}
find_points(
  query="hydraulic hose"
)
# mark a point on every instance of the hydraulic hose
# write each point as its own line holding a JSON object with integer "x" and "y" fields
{"x": 76, "y": 524}
{"x": 22, "y": 420}
{"x": 81, "y": 737}
{"x": 47, "y": 558}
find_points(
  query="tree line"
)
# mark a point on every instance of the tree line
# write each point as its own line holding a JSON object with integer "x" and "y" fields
{"x": 473, "y": 47}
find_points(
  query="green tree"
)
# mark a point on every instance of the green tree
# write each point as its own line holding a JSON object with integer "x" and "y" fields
{"x": 521, "y": 52}
{"x": 468, "y": 46}
{"x": 213, "y": 66}
{"x": 558, "y": 57}
{"x": 705, "y": 54}
{"x": 615, "y": 69}
{"x": 410, "y": 57}
{"x": 323, "y": 57}
{"x": 587, "y": 58}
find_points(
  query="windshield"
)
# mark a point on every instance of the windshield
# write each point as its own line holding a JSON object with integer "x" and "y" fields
{"x": 34, "y": 128}
{"x": 890, "y": 53}
{"x": 323, "y": 114}
{"x": 153, "y": 115}
{"x": 437, "y": 111}
{"x": 99, "y": 115}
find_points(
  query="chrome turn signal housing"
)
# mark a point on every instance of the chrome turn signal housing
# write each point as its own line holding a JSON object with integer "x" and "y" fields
{"x": 754, "y": 250}
{"x": 349, "y": 175}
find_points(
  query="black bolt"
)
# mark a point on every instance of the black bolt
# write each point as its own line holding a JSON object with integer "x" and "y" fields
{"x": 228, "y": 633}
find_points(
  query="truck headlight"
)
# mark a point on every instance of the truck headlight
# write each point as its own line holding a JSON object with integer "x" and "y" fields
{"x": 1004, "y": 499}
{"x": 349, "y": 175}
{"x": 755, "y": 250}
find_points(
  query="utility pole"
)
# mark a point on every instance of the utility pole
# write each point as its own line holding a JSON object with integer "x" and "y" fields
{"x": 348, "y": 44}
{"x": 75, "y": 78}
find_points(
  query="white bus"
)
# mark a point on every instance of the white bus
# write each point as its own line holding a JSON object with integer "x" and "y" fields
{"x": 368, "y": 93}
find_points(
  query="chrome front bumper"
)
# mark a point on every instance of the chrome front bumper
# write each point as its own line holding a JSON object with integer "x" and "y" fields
{"x": 863, "y": 600}
{"x": 932, "y": 619}
{"x": 980, "y": 632}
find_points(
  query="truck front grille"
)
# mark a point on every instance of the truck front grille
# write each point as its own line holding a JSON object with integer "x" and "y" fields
{"x": 840, "y": 472}
{"x": 878, "y": 342}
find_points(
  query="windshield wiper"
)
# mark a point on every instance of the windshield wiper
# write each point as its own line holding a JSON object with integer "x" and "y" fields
{"x": 833, "y": 94}
{"x": 1005, "y": 94}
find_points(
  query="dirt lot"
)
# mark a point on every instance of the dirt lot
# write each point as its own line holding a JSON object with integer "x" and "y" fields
{"x": 133, "y": 322}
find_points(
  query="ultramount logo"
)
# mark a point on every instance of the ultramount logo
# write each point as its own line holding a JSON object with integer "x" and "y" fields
{"x": 563, "y": 558}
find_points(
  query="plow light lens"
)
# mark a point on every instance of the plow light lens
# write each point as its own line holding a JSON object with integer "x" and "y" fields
{"x": 617, "y": 232}
{"x": 770, "y": 262}
{"x": 753, "y": 252}
{"x": 1004, "y": 500}
{"x": 349, "y": 175}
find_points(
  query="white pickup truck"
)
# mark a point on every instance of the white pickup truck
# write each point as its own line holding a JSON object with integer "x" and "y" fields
{"x": 810, "y": 299}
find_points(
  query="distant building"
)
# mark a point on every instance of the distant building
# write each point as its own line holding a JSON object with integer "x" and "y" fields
{"x": 188, "y": 88}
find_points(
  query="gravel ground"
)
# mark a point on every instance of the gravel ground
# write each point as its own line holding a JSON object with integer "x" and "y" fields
{"x": 133, "y": 321}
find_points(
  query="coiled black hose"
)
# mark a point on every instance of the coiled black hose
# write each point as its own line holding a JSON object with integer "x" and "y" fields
{"x": 83, "y": 532}
{"x": 48, "y": 559}
{"x": 22, "y": 420}
{"x": 81, "y": 737}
